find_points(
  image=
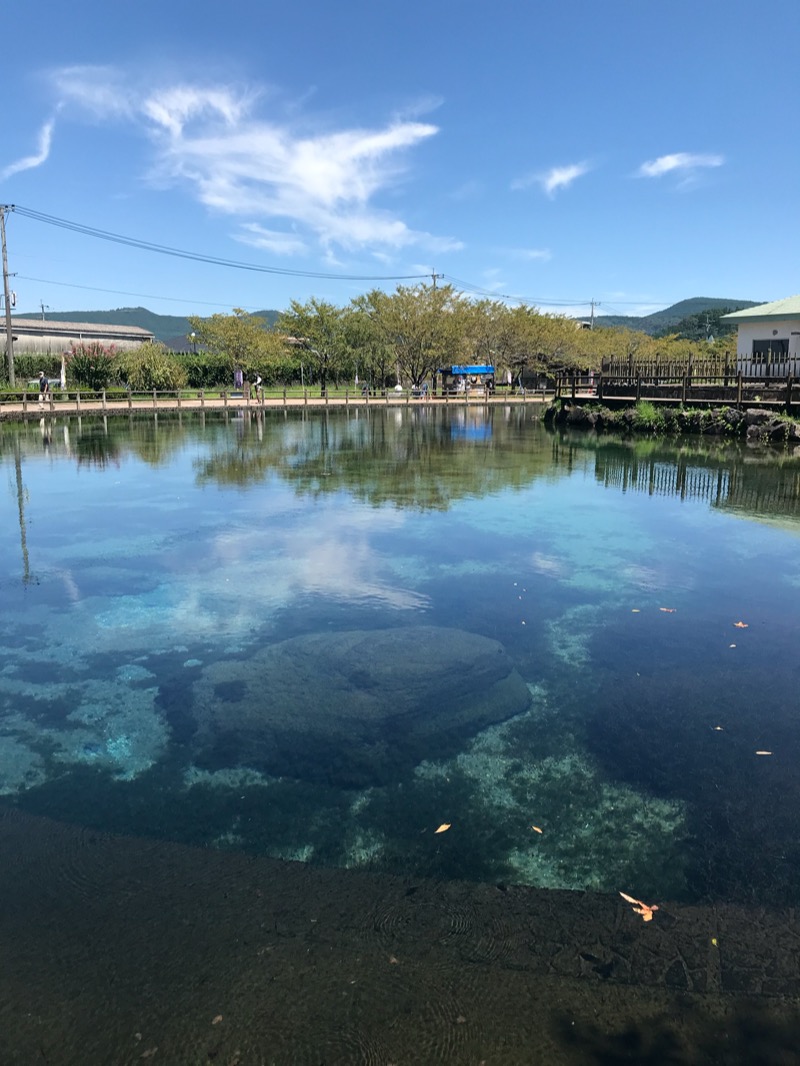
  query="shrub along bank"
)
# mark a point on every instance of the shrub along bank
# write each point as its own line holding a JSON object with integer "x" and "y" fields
{"x": 754, "y": 424}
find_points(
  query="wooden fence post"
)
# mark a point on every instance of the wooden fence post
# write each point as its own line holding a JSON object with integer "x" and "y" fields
{"x": 684, "y": 387}
{"x": 739, "y": 389}
{"x": 789, "y": 383}
{"x": 305, "y": 397}
{"x": 638, "y": 387}
{"x": 225, "y": 399}
{"x": 600, "y": 386}
{"x": 77, "y": 401}
{"x": 24, "y": 402}
{"x": 104, "y": 401}
{"x": 130, "y": 398}
{"x": 203, "y": 398}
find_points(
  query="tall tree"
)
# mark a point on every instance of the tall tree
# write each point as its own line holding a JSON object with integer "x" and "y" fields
{"x": 425, "y": 327}
{"x": 317, "y": 327}
{"x": 241, "y": 338}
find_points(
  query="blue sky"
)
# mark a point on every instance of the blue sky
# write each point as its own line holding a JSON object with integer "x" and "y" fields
{"x": 629, "y": 152}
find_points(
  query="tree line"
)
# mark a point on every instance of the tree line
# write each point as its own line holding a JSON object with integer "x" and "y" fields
{"x": 378, "y": 339}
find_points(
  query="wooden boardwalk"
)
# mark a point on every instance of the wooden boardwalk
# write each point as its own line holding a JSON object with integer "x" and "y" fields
{"x": 70, "y": 402}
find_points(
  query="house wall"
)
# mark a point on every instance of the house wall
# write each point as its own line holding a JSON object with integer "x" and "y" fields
{"x": 56, "y": 343}
{"x": 787, "y": 329}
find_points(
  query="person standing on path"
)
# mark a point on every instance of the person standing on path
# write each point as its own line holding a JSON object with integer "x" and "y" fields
{"x": 44, "y": 387}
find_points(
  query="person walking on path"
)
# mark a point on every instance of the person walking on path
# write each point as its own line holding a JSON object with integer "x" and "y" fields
{"x": 44, "y": 387}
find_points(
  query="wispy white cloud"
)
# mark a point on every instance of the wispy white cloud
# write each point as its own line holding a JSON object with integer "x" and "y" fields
{"x": 28, "y": 162}
{"x": 551, "y": 181}
{"x": 684, "y": 162}
{"x": 210, "y": 139}
{"x": 276, "y": 241}
{"x": 529, "y": 255}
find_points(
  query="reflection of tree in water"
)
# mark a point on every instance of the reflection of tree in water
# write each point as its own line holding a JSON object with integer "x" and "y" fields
{"x": 94, "y": 445}
{"x": 155, "y": 438}
{"x": 419, "y": 457}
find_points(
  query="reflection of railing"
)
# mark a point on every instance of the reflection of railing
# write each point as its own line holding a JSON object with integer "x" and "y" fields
{"x": 734, "y": 485}
{"x": 691, "y": 387}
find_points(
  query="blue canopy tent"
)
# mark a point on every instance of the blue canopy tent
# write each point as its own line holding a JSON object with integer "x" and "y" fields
{"x": 473, "y": 376}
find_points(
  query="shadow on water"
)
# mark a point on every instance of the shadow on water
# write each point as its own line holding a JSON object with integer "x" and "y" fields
{"x": 744, "y": 1034}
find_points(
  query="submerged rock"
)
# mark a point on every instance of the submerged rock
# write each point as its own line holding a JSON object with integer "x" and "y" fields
{"x": 357, "y": 707}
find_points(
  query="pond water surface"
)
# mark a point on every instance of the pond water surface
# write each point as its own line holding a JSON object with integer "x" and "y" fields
{"x": 438, "y": 644}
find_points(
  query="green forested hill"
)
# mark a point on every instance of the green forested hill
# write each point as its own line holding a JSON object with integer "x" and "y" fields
{"x": 662, "y": 321}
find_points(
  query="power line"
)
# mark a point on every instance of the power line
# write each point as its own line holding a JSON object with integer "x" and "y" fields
{"x": 467, "y": 286}
{"x": 197, "y": 257}
{"x": 140, "y": 295}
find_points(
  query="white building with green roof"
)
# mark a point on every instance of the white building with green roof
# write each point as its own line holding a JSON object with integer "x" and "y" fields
{"x": 768, "y": 344}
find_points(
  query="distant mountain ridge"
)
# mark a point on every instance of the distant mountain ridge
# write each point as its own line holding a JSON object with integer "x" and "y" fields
{"x": 173, "y": 330}
{"x": 671, "y": 316}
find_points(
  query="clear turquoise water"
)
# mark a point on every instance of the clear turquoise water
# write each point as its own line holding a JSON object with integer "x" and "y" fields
{"x": 149, "y": 567}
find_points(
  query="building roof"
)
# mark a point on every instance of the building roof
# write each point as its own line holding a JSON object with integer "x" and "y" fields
{"x": 38, "y": 325}
{"x": 787, "y": 308}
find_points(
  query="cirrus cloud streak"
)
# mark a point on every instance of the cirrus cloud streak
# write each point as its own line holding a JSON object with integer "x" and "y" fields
{"x": 288, "y": 186}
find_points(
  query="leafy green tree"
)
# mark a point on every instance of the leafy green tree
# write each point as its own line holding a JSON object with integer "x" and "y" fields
{"x": 368, "y": 343}
{"x": 425, "y": 328}
{"x": 151, "y": 366}
{"x": 243, "y": 339}
{"x": 316, "y": 329}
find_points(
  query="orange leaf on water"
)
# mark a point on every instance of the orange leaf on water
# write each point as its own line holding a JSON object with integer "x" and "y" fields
{"x": 644, "y": 910}
{"x": 668, "y": 610}
{"x": 536, "y": 829}
{"x": 443, "y": 828}
{"x": 763, "y": 753}
{"x": 741, "y": 625}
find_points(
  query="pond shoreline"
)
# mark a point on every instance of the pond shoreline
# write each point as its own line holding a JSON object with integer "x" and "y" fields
{"x": 752, "y": 424}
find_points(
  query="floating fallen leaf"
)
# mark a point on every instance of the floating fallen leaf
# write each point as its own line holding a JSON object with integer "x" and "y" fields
{"x": 731, "y": 645}
{"x": 714, "y": 941}
{"x": 635, "y": 610}
{"x": 763, "y": 753}
{"x": 393, "y": 960}
{"x": 443, "y": 827}
{"x": 643, "y": 909}
{"x": 717, "y": 728}
{"x": 668, "y": 610}
{"x": 216, "y": 1020}
{"x": 536, "y": 829}
{"x": 741, "y": 625}
{"x": 523, "y": 623}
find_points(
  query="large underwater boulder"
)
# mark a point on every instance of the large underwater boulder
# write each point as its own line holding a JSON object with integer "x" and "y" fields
{"x": 354, "y": 708}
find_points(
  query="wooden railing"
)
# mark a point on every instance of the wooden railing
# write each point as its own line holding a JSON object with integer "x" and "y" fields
{"x": 695, "y": 388}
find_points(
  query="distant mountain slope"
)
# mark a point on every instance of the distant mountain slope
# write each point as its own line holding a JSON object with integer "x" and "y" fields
{"x": 671, "y": 316}
{"x": 174, "y": 329}
{"x": 169, "y": 329}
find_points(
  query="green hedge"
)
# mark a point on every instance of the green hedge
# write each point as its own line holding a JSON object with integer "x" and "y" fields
{"x": 27, "y": 367}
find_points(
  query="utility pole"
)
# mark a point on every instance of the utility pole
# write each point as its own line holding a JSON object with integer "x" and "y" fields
{"x": 591, "y": 320}
{"x": 434, "y": 278}
{"x": 9, "y": 335}
{"x": 44, "y": 307}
